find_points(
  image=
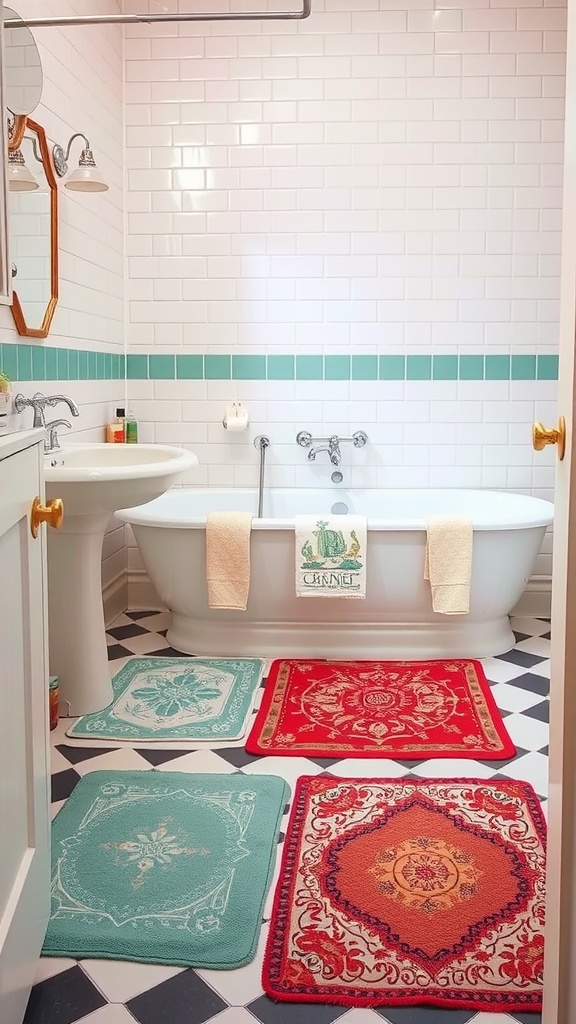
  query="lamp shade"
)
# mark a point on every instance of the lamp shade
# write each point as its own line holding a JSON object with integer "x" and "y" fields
{"x": 20, "y": 177}
{"x": 86, "y": 179}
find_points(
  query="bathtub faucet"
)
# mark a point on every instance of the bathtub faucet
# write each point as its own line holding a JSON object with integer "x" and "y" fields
{"x": 329, "y": 444}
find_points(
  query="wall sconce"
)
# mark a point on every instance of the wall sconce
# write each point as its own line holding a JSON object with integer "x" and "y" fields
{"x": 86, "y": 177}
{"x": 20, "y": 177}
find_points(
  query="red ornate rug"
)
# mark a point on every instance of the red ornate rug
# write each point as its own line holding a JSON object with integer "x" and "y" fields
{"x": 405, "y": 892}
{"x": 403, "y": 709}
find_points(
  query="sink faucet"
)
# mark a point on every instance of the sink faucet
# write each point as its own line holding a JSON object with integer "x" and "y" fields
{"x": 52, "y": 442}
{"x": 329, "y": 444}
{"x": 38, "y": 404}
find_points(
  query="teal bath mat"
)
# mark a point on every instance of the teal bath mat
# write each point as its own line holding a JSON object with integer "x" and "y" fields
{"x": 164, "y": 867}
{"x": 177, "y": 699}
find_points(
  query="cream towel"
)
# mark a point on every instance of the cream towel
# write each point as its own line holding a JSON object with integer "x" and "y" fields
{"x": 448, "y": 563}
{"x": 228, "y": 559}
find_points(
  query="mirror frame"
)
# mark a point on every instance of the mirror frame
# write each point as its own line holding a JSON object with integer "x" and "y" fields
{"x": 22, "y": 122}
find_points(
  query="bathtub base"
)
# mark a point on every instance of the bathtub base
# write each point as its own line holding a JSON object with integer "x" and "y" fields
{"x": 449, "y": 638}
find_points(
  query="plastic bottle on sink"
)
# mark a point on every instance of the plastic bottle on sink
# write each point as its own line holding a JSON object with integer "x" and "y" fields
{"x": 131, "y": 429}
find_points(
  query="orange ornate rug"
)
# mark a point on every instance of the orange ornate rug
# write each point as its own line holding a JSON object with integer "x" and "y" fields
{"x": 406, "y": 892}
{"x": 404, "y": 709}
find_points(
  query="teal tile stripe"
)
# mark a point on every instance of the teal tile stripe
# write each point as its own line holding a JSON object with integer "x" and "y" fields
{"x": 342, "y": 367}
{"x": 43, "y": 362}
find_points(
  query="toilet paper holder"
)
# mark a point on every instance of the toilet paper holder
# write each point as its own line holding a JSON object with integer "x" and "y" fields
{"x": 235, "y": 418}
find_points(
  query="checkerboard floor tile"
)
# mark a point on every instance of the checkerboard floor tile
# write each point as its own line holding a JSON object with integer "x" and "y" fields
{"x": 111, "y": 992}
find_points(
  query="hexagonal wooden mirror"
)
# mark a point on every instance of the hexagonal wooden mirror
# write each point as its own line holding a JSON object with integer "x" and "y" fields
{"x": 33, "y": 228}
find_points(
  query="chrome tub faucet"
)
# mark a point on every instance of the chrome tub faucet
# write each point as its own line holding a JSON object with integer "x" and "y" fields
{"x": 329, "y": 444}
{"x": 38, "y": 404}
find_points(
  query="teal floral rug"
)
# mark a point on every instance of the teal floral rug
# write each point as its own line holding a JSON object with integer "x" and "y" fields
{"x": 177, "y": 699}
{"x": 164, "y": 867}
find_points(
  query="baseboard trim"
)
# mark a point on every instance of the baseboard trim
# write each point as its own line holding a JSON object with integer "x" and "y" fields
{"x": 142, "y": 594}
{"x": 115, "y": 597}
{"x": 536, "y": 601}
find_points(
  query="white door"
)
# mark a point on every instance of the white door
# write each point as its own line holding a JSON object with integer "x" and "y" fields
{"x": 24, "y": 802}
{"x": 560, "y": 950}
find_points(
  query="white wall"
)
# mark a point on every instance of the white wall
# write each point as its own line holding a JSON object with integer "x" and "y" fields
{"x": 83, "y": 91}
{"x": 384, "y": 178}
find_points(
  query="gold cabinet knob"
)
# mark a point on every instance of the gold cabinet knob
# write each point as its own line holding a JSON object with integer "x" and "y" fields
{"x": 541, "y": 437}
{"x": 52, "y": 513}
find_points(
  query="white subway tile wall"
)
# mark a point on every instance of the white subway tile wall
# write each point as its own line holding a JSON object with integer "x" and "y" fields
{"x": 82, "y": 92}
{"x": 383, "y": 178}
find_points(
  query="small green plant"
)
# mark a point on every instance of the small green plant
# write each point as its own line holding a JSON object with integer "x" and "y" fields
{"x": 4, "y": 384}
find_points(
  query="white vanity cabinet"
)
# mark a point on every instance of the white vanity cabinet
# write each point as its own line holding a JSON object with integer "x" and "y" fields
{"x": 24, "y": 748}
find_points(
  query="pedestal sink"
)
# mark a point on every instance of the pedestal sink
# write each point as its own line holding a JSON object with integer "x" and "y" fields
{"x": 93, "y": 480}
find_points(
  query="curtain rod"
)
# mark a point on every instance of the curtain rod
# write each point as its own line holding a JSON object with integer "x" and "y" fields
{"x": 151, "y": 19}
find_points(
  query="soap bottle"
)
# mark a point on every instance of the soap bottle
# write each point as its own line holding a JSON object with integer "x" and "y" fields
{"x": 131, "y": 429}
{"x": 115, "y": 431}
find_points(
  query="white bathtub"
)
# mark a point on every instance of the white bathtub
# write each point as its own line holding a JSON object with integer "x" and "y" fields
{"x": 396, "y": 619}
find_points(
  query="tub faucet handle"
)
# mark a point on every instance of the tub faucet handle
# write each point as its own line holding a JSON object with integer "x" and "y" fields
{"x": 331, "y": 444}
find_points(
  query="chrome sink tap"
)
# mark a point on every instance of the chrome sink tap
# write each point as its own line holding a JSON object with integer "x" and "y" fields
{"x": 329, "y": 444}
{"x": 38, "y": 404}
{"x": 52, "y": 443}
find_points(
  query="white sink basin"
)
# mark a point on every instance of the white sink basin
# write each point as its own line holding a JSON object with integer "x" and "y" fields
{"x": 93, "y": 480}
{"x": 100, "y": 478}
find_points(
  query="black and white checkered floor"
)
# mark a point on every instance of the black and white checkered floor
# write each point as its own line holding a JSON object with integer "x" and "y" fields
{"x": 114, "y": 992}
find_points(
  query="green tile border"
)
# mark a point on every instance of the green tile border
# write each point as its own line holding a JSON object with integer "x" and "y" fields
{"x": 217, "y": 367}
{"x": 392, "y": 367}
{"x": 20, "y": 361}
{"x": 547, "y": 367}
{"x": 309, "y": 367}
{"x": 444, "y": 367}
{"x": 496, "y": 367}
{"x": 189, "y": 367}
{"x": 280, "y": 367}
{"x": 249, "y": 367}
{"x": 470, "y": 367}
{"x": 418, "y": 367}
{"x": 364, "y": 367}
{"x": 337, "y": 367}
{"x": 162, "y": 367}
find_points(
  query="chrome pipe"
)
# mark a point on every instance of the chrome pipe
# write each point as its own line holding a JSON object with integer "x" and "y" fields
{"x": 261, "y": 443}
{"x": 358, "y": 439}
{"x": 151, "y": 19}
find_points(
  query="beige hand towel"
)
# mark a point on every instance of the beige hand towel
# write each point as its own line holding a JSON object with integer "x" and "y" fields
{"x": 228, "y": 559}
{"x": 448, "y": 563}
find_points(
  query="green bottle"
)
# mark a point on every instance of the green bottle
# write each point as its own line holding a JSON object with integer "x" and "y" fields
{"x": 131, "y": 429}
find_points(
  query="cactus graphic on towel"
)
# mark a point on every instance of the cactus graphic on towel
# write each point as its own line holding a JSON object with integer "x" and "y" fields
{"x": 330, "y": 556}
{"x": 331, "y": 547}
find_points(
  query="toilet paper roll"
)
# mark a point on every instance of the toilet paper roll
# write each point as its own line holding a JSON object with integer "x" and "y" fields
{"x": 235, "y": 418}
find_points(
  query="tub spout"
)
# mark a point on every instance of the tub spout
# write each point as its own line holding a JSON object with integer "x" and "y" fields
{"x": 331, "y": 444}
{"x": 333, "y": 449}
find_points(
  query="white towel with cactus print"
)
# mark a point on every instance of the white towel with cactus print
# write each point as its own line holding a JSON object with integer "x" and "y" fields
{"x": 331, "y": 556}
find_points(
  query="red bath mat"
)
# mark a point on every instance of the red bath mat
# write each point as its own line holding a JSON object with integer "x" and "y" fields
{"x": 404, "y": 709}
{"x": 407, "y": 892}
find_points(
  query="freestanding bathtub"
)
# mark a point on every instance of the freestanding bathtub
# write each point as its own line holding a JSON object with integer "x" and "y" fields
{"x": 396, "y": 618}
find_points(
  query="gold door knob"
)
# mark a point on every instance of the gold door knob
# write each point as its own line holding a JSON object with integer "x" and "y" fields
{"x": 541, "y": 437}
{"x": 52, "y": 513}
